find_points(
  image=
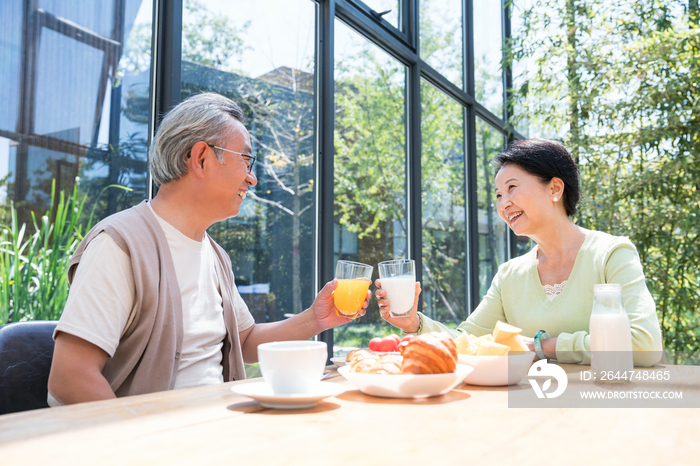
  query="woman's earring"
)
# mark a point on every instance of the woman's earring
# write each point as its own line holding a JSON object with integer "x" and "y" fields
{"x": 555, "y": 199}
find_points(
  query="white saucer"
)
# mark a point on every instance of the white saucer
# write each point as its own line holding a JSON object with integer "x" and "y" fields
{"x": 262, "y": 393}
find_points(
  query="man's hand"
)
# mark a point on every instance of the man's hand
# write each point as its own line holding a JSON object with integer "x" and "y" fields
{"x": 323, "y": 308}
{"x": 319, "y": 317}
{"x": 76, "y": 371}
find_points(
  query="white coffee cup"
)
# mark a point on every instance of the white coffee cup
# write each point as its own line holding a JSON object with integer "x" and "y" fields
{"x": 292, "y": 367}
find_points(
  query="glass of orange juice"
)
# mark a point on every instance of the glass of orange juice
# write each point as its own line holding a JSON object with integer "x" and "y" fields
{"x": 353, "y": 282}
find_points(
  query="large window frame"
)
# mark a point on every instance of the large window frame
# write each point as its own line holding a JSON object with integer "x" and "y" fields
{"x": 402, "y": 44}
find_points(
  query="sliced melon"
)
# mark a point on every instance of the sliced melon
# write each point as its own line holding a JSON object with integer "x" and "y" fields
{"x": 514, "y": 344}
{"x": 491, "y": 348}
{"x": 483, "y": 338}
{"x": 504, "y": 331}
{"x": 465, "y": 344}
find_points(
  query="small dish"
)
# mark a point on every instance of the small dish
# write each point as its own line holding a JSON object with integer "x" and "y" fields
{"x": 262, "y": 393}
{"x": 339, "y": 361}
{"x": 494, "y": 371}
{"x": 406, "y": 385}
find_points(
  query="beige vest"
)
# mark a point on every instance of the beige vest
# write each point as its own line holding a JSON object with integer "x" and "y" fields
{"x": 148, "y": 354}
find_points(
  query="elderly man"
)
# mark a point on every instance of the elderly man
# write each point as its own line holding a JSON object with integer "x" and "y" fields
{"x": 152, "y": 304}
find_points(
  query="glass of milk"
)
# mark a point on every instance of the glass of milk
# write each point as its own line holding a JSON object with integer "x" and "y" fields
{"x": 609, "y": 328}
{"x": 398, "y": 279}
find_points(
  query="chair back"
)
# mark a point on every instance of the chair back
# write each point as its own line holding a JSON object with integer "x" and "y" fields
{"x": 26, "y": 349}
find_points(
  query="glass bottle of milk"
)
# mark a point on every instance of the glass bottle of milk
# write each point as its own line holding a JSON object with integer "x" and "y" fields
{"x": 611, "y": 337}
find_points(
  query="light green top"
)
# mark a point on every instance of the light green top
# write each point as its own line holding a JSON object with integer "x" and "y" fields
{"x": 516, "y": 296}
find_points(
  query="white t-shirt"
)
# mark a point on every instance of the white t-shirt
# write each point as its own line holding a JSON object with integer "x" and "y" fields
{"x": 102, "y": 296}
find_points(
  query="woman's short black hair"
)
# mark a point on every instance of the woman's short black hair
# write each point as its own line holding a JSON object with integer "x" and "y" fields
{"x": 544, "y": 159}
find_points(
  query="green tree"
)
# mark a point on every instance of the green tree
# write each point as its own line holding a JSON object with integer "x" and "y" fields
{"x": 626, "y": 71}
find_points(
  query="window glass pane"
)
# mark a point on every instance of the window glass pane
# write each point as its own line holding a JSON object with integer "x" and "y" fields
{"x": 66, "y": 68}
{"x": 523, "y": 245}
{"x": 261, "y": 55}
{"x": 441, "y": 37}
{"x": 520, "y": 69}
{"x": 443, "y": 210}
{"x": 82, "y": 113}
{"x": 492, "y": 230}
{"x": 369, "y": 166}
{"x": 96, "y": 16}
{"x": 381, "y": 6}
{"x": 10, "y": 61}
{"x": 487, "y": 55}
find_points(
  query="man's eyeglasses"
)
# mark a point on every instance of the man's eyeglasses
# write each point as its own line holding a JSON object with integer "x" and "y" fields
{"x": 251, "y": 158}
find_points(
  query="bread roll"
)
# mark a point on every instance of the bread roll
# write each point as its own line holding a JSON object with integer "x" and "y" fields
{"x": 388, "y": 364}
{"x": 429, "y": 353}
{"x": 360, "y": 360}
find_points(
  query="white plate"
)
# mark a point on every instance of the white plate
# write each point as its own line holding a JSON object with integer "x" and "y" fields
{"x": 339, "y": 362}
{"x": 262, "y": 393}
{"x": 496, "y": 371}
{"x": 406, "y": 385}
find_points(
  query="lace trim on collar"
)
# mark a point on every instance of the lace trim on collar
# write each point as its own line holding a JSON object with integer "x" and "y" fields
{"x": 553, "y": 290}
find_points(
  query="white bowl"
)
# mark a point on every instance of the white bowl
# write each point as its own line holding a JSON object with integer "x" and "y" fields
{"x": 406, "y": 385}
{"x": 497, "y": 370}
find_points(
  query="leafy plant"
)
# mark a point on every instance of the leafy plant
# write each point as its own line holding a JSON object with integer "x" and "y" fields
{"x": 33, "y": 266}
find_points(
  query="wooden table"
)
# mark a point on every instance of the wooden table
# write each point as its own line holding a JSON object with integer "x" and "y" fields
{"x": 470, "y": 425}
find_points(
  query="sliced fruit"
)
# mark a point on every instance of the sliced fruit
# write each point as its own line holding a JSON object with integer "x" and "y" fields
{"x": 465, "y": 344}
{"x": 479, "y": 340}
{"x": 504, "y": 331}
{"x": 491, "y": 348}
{"x": 514, "y": 344}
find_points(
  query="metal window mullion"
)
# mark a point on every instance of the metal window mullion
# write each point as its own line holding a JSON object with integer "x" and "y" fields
{"x": 368, "y": 28}
{"x": 166, "y": 62}
{"x": 409, "y": 24}
{"x": 508, "y": 108}
{"x": 471, "y": 210}
{"x": 496, "y": 122}
{"x": 324, "y": 173}
{"x": 413, "y": 171}
{"x": 508, "y": 70}
{"x": 27, "y": 93}
{"x": 414, "y": 191}
{"x": 445, "y": 85}
{"x": 364, "y": 13}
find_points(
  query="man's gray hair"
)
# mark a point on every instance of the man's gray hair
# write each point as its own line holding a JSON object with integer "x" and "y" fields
{"x": 202, "y": 117}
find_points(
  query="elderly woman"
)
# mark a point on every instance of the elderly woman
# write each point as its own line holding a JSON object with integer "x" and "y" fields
{"x": 551, "y": 287}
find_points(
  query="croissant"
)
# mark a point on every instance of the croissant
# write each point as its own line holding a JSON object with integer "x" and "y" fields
{"x": 429, "y": 353}
{"x": 360, "y": 360}
{"x": 389, "y": 364}
{"x": 356, "y": 355}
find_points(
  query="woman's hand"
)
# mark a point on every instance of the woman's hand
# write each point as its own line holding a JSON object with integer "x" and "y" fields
{"x": 408, "y": 323}
{"x": 549, "y": 346}
{"x": 527, "y": 342}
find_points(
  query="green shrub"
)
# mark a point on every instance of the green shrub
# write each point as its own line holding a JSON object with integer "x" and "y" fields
{"x": 34, "y": 266}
